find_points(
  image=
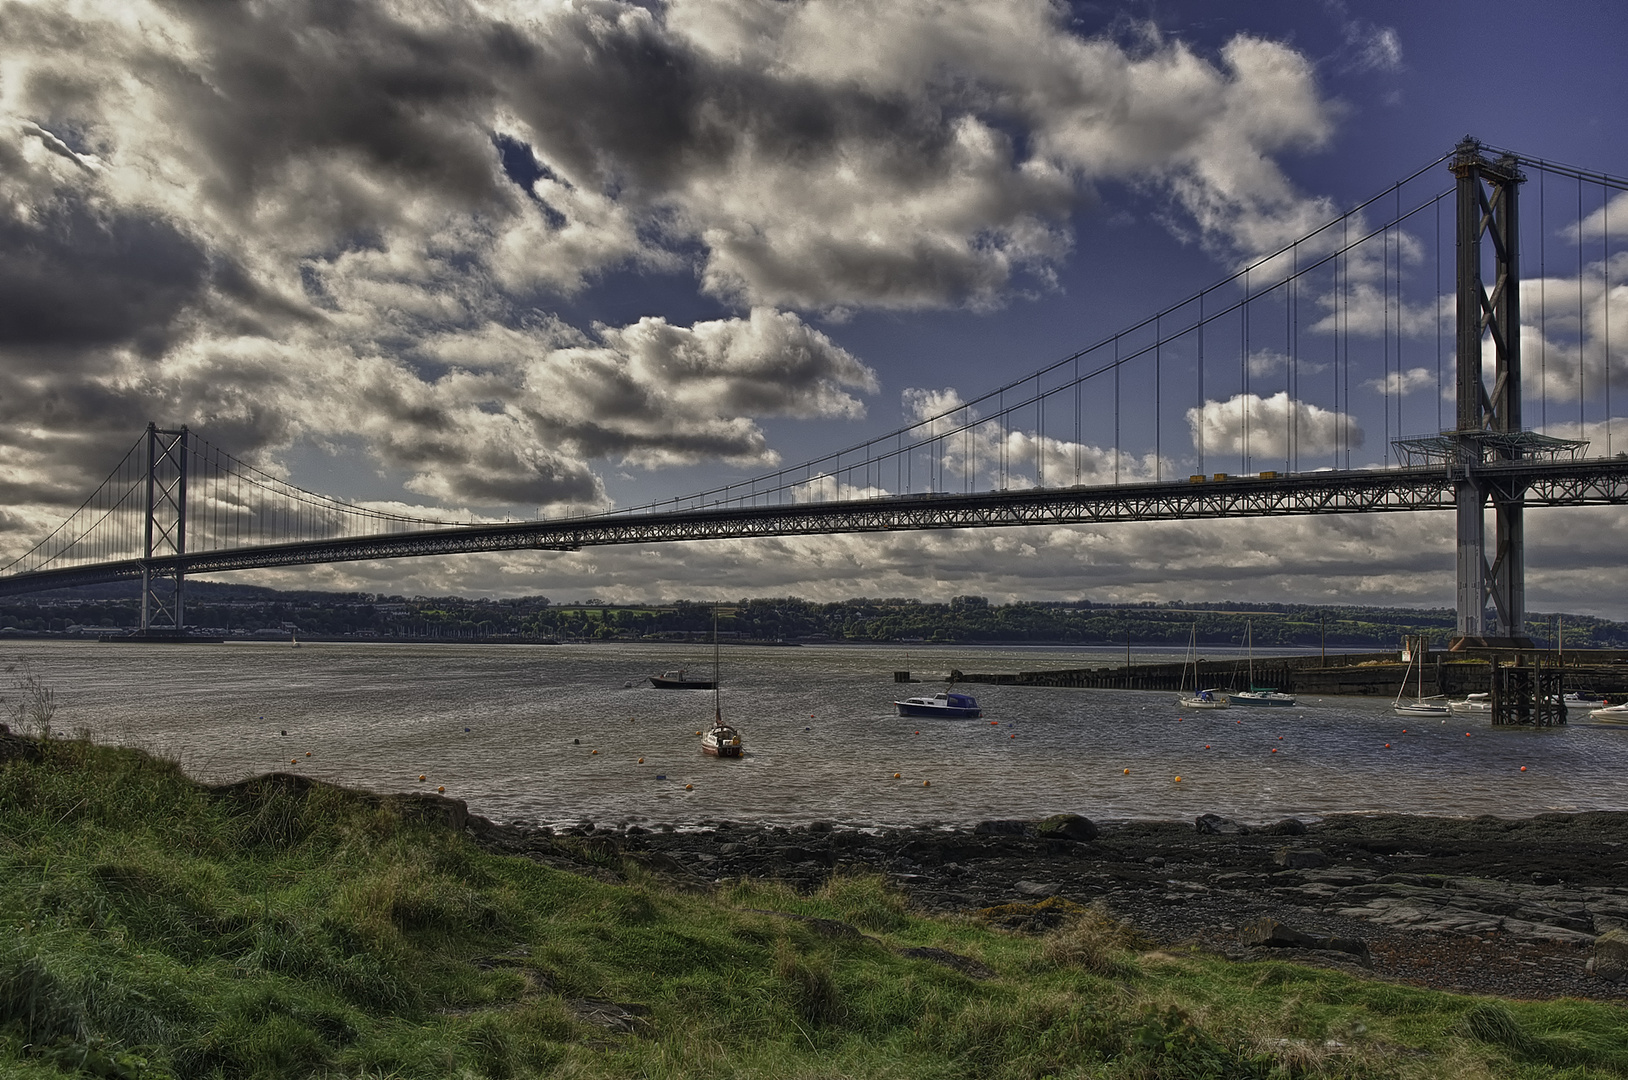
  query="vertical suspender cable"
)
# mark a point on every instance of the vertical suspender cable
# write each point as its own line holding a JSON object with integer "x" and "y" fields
{"x": 1203, "y": 405}
{"x": 1605, "y": 294}
{"x": 1158, "y": 398}
{"x": 1243, "y": 376}
{"x": 1543, "y": 305}
{"x": 1582, "y": 415}
{"x": 1438, "y": 313}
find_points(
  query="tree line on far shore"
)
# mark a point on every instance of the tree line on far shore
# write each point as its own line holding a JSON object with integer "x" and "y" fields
{"x": 241, "y": 610}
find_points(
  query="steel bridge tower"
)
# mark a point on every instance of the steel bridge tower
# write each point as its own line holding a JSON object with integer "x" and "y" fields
{"x": 163, "y": 612}
{"x": 1491, "y": 594}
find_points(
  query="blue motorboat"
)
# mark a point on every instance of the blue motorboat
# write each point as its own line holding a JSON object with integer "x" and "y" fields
{"x": 953, "y": 706}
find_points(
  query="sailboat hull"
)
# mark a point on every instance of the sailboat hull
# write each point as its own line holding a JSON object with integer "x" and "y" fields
{"x": 1261, "y": 698}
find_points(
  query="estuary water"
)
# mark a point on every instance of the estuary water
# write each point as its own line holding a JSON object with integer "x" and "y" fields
{"x": 511, "y": 729}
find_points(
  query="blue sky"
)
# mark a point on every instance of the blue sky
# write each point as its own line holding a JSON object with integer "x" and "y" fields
{"x": 512, "y": 258}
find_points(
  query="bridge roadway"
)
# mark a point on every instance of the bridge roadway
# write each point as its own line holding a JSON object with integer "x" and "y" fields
{"x": 1596, "y": 482}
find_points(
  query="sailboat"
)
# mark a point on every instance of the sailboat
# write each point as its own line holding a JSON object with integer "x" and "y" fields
{"x": 1257, "y": 695}
{"x": 1198, "y": 699}
{"x": 720, "y": 740}
{"x": 1418, "y": 706}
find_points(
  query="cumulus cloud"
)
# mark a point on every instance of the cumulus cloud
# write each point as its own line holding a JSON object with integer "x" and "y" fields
{"x": 1271, "y": 427}
{"x": 347, "y": 224}
{"x": 1573, "y": 333}
{"x": 1403, "y": 382}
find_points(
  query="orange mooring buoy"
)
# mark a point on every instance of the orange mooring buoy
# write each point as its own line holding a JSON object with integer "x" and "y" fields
{"x": 442, "y": 790}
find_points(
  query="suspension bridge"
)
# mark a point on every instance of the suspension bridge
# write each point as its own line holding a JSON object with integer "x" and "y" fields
{"x": 1267, "y": 374}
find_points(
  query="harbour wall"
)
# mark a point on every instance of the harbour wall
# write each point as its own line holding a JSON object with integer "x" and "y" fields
{"x": 1359, "y": 674}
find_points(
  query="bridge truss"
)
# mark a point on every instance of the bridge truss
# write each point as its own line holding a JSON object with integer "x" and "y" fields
{"x": 1567, "y": 483}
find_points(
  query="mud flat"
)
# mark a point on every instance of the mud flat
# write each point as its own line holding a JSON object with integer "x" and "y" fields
{"x": 1485, "y": 905}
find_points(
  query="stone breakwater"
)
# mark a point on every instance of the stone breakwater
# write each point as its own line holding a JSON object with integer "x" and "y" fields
{"x": 1534, "y": 907}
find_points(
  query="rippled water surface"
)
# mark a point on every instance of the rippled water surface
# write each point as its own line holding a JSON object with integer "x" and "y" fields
{"x": 511, "y": 729}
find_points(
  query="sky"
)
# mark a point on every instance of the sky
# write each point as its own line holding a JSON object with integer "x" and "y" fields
{"x": 502, "y": 259}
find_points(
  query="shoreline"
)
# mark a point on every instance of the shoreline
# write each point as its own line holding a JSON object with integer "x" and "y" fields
{"x": 1475, "y": 905}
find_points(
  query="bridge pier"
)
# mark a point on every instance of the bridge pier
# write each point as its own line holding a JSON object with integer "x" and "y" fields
{"x": 163, "y": 592}
{"x": 1489, "y": 420}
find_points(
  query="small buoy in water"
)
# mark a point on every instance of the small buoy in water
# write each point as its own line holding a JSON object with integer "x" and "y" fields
{"x": 1387, "y": 746}
{"x": 466, "y": 729}
{"x": 895, "y": 776}
{"x": 308, "y": 753}
{"x": 596, "y": 751}
{"x": 1011, "y": 736}
{"x": 918, "y": 733}
{"x": 661, "y": 776}
{"x": 1404, "y": 731}
{"x": 576, "y": 742}
{"x": 1523, "y": 768}
{"x": 1127, "y": 772}
{"x": 994, "y": 723}
{"x": 441, "y": 790}
{"x": 1466, "y": 734}
{"x": 1206, "y": 746}
{"x": 293, "y": 761}
{"x": 1280, "y": 738}
{"x": 1274, "y": 749}
{"x": 1178, "y": 779}
{"x": 806, "y": 728}
{"x": 283, "y": 732}
{"x": 641, "y": 761}
{"x": 926, "y": 783}
{"x": 689, "y": 787}
{"x": 421, "y": 776}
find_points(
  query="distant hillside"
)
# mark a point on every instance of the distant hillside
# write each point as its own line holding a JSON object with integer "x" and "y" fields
{"x": 243, "y": 609}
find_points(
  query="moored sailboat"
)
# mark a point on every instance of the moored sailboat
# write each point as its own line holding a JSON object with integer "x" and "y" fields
{"x": 1198, "y": 699}
{"x": 1257, "y": 695}
{"x": 1420, "y": 705}
{"x": 720, "y": 740}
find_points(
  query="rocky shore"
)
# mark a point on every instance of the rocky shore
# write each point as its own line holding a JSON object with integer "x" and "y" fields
{"x": 1529, "y": 908}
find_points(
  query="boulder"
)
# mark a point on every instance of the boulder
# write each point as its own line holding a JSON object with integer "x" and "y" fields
{"x": 17, "y": 747}
{"x": 1286, "y": 827}
{"x": 1036, "y": 888}
{"x": 1001, "y": 827}
{"x": 1610, "y": 959}
{"x": 1270, "y": 933}
{"x": 1219, "y": 826}
{"x": 1067, "y": 827}
{"x": 1299, "y": 858}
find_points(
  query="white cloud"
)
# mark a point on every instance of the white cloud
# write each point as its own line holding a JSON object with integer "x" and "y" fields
{"x": 1272, "y": 427}
{"x": 1403, "y": 382}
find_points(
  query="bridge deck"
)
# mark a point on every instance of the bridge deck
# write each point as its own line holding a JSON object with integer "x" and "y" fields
{"x": 1568, "y": 483}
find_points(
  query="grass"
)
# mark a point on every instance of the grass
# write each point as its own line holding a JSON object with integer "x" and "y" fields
{"x": 152, "y": 928}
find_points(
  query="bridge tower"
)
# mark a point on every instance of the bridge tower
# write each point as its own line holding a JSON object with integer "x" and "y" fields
{"x": 163, "y": 611}
{"x": 1491, "y": 595}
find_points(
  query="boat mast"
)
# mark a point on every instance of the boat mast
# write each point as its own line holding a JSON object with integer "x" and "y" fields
{"x": 717, "y": 706}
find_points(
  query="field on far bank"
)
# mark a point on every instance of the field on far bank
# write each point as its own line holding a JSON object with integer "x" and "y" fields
{"x": 281, "y": 927}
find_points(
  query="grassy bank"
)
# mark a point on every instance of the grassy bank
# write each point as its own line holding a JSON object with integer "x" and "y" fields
{"x": 150, "y": 927}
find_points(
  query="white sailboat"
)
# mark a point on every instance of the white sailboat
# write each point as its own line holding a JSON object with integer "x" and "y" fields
{"x": 1257, "y": 695}
{"x": 720, "y": 740}
{"x": 1198, "y": 699}
{"x": 1419, "y": 706}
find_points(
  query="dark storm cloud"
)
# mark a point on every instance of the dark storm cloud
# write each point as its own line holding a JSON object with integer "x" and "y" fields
{"x": 72, "y": 278}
